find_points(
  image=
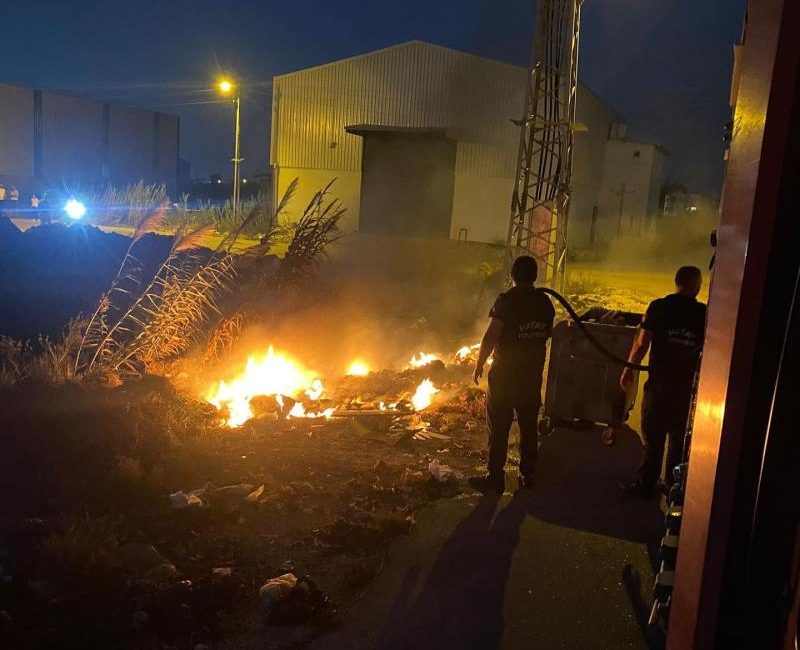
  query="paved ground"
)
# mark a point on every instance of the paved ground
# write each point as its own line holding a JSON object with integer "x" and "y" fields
{"x": 566, "y": 566}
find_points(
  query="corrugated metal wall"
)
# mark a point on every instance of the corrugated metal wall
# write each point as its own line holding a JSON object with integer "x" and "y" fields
{"x": 418, "y": 84}
{"x": 168, "y": 146}
{"x": 411, "y": 85}
{"x": 47, "y": 138}
{"x": 16, "y": 131}
{"x": 72, "y": 138}
{"x": 130, "y": 144}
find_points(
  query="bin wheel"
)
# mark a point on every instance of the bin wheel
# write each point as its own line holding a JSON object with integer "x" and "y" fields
{"x": 546, "y": 426}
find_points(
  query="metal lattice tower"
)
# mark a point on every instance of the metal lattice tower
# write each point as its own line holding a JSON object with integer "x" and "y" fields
{"x": 540, "y": 202}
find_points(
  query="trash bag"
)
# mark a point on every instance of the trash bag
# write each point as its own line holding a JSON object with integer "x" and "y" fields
{"x": 304, "y": 603}
{"x": 442, "y": 473}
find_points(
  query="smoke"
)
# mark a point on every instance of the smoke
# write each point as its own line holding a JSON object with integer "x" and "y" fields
{"x": 658, "y": 244}
{"x": 382, "y": 300}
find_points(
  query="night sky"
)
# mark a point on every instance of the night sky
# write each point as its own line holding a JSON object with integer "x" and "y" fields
{"x": 665, "y": 65}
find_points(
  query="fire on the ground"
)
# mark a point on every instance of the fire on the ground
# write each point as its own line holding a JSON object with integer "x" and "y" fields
{"x": 279, "y": 375}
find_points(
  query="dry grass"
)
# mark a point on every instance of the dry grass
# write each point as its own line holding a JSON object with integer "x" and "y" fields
{"x": 129, "y": 205}
{"x": 141, "y": 322}
{"x": 316, "y": 229}
{"x": 224, "y": 335}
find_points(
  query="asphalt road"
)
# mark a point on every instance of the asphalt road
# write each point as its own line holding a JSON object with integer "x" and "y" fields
{"x": 565, "y": 566}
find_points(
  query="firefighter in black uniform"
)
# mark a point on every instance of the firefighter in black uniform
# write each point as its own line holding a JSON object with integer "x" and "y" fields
{"x": 673, "y": 330}
{"x": 521, "y": 322}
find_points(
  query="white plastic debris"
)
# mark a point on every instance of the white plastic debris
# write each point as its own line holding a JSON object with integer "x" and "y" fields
{"x": 222, "y": 572}
{"x": 276, "y": 589}
{"x": 190, "y": 499}
{"x": 255, "y": 495}
{"x": 441, "y": 472}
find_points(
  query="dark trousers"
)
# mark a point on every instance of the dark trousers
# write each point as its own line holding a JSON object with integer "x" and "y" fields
{"x": 665, "y": 411}
{"x": 505, "y": 397}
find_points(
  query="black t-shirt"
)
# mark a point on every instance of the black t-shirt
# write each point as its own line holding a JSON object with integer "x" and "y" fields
{"x": 527, "y": 316}
{"x": 678, "y": 327}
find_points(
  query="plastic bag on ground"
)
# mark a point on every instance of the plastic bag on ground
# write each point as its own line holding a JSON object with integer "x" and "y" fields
{"x": 441, "y": 472}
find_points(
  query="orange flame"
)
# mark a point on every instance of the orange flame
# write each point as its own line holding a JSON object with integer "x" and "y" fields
{"x": 422, "y": 359}
{"x": 424, "y": 395}
{"x": 358, "y": 368}
{"x": 273, "y": 374}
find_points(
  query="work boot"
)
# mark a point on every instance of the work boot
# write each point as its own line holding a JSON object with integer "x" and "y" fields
{"x": 637, "y": 489}
{"x": 526, "y": 482}
{"x": 488, "y": 484}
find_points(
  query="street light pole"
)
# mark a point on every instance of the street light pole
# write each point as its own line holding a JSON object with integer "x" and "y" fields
{"x": 227, "y": 87}
{"x": 236, "y": 158}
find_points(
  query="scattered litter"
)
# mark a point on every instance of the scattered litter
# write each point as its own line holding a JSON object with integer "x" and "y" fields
{"x": 240, "y": 490}
{"x": 222, "y": 572}
{"x": 255, "y": 495}
{"x": 442, "y": 473}
{"x": 276, "y": 589}
{"x": 190, "y": 499}
{"x": 180, "y": 500}
{"x": 292, "y": 601}
{"x": 430, "y": 435}
{"x": 162, "y": 572}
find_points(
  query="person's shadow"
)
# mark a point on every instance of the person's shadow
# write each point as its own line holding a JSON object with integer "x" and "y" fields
{"x": 461, "y": 603}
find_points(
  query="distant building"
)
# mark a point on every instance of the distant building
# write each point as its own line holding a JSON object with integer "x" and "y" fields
{"x": 421, "y": 141}
{"x": 50, "y": 139}
{"x": 633, "y": 175}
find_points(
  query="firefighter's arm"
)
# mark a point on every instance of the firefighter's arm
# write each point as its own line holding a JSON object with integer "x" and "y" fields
{"x": 638, "y": 352}
{"x": 488, "y": 343}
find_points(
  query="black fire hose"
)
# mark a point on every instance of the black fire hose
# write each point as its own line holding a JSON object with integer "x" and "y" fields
{"x": 591, "y": 337}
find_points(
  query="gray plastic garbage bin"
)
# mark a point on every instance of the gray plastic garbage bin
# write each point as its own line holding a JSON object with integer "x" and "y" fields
{"x": 582, "y": 383}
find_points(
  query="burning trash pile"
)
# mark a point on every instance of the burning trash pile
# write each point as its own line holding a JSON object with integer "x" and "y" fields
{"x": 277, "y": 386}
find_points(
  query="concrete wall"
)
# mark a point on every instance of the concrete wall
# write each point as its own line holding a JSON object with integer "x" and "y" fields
{"x": 594, "y": 119}
{"x": 638, "y": 166}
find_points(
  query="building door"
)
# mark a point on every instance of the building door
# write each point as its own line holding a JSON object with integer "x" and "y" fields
{"x": 407, "y": 184}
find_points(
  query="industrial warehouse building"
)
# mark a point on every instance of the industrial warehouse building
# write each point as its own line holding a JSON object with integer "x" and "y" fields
{"x": 420, "y": 140}
{"x": 50, "y": 139}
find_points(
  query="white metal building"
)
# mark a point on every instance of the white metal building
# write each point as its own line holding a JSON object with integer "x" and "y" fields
{"x": 50, "y": 139}
{"x": 421, "y": 141}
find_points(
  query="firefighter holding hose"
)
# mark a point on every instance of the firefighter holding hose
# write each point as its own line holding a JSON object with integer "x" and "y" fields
{"x": 672, "y": 330}
{"x": 521, "y": 321}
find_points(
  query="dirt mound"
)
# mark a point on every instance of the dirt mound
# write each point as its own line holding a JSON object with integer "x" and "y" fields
{"x": 9, "y": 233}
{"x": 53, "y": 272}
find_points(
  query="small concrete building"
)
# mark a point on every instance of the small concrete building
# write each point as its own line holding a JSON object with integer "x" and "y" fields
{"x": 50, "y": 139}
{"x": 421, "y": 142}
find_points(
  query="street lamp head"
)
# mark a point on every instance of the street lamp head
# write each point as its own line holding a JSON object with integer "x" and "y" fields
{"x": 225, "y": 86}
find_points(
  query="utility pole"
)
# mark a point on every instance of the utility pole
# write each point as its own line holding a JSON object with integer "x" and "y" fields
{"x": 542, "y": 182}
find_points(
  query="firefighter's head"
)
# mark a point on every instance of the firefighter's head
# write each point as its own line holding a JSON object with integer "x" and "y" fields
{"x": 524, "y": 270}
{"x": 688, "y": 281}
